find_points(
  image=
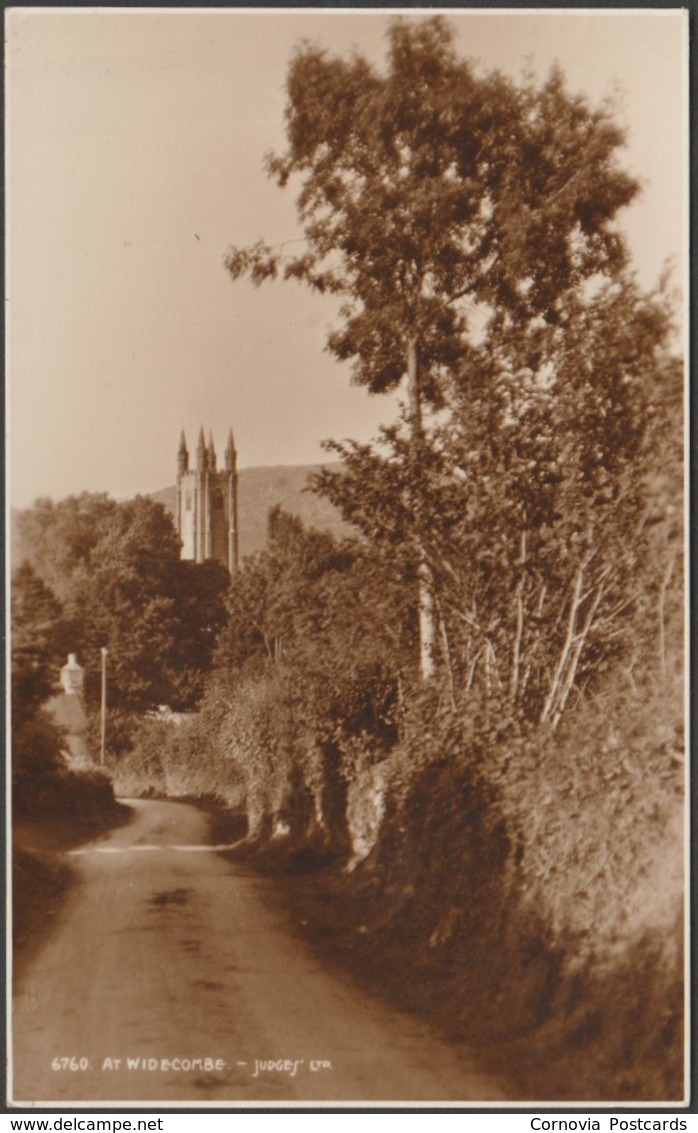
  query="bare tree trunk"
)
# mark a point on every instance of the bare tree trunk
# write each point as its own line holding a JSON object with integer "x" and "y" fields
{"x": 493, "y": 664}
{"x": 427, "y": 620}
{"x": 427, "y": 634}
{"x": 414, "y": 399}
{"x": 573, "y": 663}
{"x": 447, "y": 660}
{"x": 518, "y": 634}
{"x": 529, "y": 663}
{"x": 566, "y": 648}
{"x": 401, "y": 710}
{"x": 471, "y": 673}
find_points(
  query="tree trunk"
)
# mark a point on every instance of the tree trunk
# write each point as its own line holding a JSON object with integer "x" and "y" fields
{"x": 518, "y": 633}
{"x": 447, "y": 659}
{"x": 573, "y": 664}
{"x": 427, "y": 619}
{"x": 563, "y": 659}
{"x": 414, "y": 399}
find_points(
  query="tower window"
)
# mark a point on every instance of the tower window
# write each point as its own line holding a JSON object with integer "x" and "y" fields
{"x": 187, "y": 501}
{"x": 217, "y": 501}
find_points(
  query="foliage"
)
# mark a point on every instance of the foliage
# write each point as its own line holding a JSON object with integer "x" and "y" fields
{"x": 533, "y": 503}
{"x": 311, "y": 672}
{"x": 36, "y": 654}
{"x": 116, "y": 568}
{"x": 37, "y": 648}
{"x": 198, "y": 591}
{"x": 528, "y": 889}
{"x": 176, "y": 756}
{"x": 58, "y": 538}
{"x": 44, "y": 781}
{"x": 36, "y": 758}
{"x": 441, "y": 205}
{"x": 430, "y": 183}
{"x": 309, "y": 594}
{"x": 122, "y": 725}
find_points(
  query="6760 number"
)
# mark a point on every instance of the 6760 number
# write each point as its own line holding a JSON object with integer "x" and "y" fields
{"x": 70, "y": 1064}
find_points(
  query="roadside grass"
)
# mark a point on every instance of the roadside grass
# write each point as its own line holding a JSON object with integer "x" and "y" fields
{"x": 40, "y": 884}
{"x": 603, "y": 1037}
{"x": 41, "y": 878}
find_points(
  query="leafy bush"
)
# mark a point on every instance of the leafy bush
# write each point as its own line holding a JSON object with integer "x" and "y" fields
{"x": 176, "y": 756}
{"x": 44, "y": 784}
{"x": 36, "y": 760}
{"x": 533, "y": 881}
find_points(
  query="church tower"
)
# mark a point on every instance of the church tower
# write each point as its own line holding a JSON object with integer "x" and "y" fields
{"x": 207, "y": 503}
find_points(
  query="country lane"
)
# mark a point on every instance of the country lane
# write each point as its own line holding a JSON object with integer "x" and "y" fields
{"x": 171, "y": 977}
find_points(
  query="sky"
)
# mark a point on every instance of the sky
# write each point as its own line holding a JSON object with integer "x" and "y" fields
{"x": 135, "y": 141}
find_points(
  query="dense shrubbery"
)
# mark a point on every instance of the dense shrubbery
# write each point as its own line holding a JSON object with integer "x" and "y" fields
{"x": 311, "y": 674}
{"x": 177, "y": 756}
{"x": 36, "y": 760}
{"x": 536, "y": 881}
{"x": 45, "y": 783}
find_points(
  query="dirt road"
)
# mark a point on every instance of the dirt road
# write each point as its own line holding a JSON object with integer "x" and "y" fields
{"x": 170, "y": 978}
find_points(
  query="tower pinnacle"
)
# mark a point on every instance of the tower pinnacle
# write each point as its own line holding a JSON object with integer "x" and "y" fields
{"x": 201, "y": 453}
{"x": 182, "y": 455}
{"x": 230, "y": 453}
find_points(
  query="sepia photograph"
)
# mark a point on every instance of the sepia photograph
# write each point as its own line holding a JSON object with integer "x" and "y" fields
{"x": 346, "y": 557}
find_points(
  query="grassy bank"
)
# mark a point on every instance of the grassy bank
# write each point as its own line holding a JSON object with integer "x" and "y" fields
{"x": 613, "y": 1035}
{"x": 527, "y": 898}
{"x": 41, "y": 877}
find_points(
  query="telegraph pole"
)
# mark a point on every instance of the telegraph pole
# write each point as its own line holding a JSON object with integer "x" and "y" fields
{"x": 104, "y": 706}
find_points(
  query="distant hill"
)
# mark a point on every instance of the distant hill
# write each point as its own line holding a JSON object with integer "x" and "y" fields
{"x": 261, "y": 489}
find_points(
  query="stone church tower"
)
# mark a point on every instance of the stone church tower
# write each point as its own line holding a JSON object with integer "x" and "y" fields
{"x": 207, "y": 504}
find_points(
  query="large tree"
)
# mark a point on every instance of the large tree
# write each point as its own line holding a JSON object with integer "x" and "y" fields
{"x": 539, "y": 503}
{"x": 436, "y": 200}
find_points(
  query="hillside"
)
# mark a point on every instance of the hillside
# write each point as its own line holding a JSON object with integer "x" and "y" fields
{"x": 260, "y": 489}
